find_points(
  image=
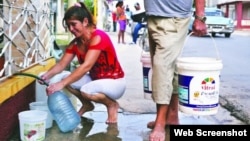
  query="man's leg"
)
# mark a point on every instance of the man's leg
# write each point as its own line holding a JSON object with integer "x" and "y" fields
{"x": 160, "y": 122}
{"x": 114, "y": 26}
{"x": 172, "y": 114}
{"x": 164, "y": 53}
{"x": 136, "y": 31}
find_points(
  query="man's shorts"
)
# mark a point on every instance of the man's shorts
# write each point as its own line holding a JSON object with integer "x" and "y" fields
{"x": 166, "y": 39}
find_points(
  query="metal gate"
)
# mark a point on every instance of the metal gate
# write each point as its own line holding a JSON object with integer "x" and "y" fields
{"x": 26, "y": 34}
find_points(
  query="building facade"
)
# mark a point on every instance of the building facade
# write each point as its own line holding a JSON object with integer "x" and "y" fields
{"x": 235, "y": 9}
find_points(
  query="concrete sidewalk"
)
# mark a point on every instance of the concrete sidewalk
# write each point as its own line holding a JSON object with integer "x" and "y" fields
{"x": 133, "y": 99}
{"x": 243, "y": 32}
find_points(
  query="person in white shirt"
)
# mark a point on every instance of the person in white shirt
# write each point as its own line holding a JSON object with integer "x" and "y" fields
{"x": 137, "y": 16}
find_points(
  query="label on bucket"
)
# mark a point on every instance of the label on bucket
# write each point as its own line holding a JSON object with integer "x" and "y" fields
{"x": 199, "y": 93}
{"x": 147, "y": 76}
{"x": 33, "y": 131}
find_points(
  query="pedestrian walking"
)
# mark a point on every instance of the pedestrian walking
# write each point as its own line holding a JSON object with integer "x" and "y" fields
{"x": 167, "y": 29}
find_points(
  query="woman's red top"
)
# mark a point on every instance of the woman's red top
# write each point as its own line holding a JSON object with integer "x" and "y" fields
{"x": 107, "y": 64}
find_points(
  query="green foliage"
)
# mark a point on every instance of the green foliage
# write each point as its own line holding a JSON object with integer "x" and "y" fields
{"x": 63, "y": 39}
{"x": 62, "y": 42}
{"x": 90, "y": 5}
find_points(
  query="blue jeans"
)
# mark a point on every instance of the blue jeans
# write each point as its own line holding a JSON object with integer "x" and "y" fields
{"x": 114, "y": 26}
{"x": 136, "y": 31}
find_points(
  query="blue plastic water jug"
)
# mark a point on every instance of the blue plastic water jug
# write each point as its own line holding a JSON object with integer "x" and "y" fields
{"x": 63, "y": 111}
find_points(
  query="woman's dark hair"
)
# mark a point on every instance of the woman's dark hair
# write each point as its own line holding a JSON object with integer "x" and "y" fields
{"x": 119, "y": 3}
{"x": 78, "y": 12}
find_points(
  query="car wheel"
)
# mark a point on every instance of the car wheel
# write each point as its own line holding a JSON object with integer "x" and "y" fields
{"x": 213, "y": 34}
{"x": 227, "y": 35}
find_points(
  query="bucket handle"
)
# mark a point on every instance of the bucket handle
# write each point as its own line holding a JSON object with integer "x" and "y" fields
{"x": 215, "y": 46}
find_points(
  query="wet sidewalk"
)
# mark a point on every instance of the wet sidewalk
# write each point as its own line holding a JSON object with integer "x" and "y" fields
{"x": 130, "y": 126}
{"x": 135, "y": 111}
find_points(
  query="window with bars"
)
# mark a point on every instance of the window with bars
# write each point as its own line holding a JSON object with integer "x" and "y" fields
{"x": 26, "y": 34}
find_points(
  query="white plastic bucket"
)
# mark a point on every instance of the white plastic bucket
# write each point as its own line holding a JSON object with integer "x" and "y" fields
{"x": 41, "y": 105}
{"x": 147, "y": 75}
{"x": 32, "y": 125}
{"x": 41, "y": 92}
{"x": 199, "y": 82}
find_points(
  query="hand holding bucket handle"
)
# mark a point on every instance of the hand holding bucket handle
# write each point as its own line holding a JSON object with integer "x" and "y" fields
{"x": 215, "y": 46}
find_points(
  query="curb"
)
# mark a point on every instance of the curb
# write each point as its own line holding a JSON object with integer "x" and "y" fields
{"x": 244, "y": 32}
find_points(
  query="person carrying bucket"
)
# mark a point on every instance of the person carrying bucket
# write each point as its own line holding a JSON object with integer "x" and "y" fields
{"x": 167, "y": 29}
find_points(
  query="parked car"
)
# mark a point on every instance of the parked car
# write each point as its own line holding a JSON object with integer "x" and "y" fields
{"x": 216, "y": 22}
